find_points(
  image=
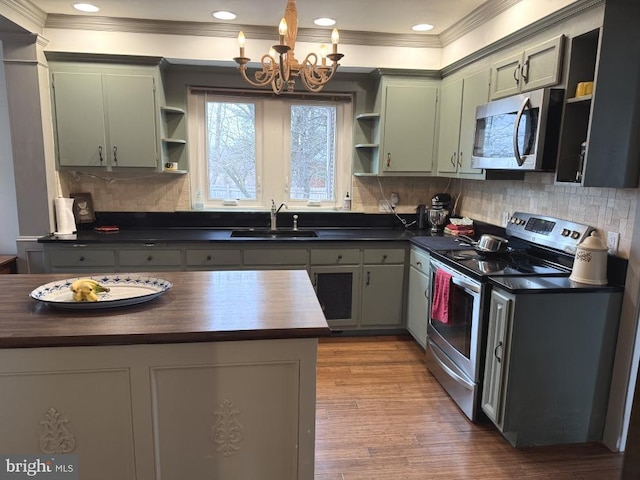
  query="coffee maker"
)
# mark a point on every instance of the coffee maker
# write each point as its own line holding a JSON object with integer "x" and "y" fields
{"x": 439, "y": 213}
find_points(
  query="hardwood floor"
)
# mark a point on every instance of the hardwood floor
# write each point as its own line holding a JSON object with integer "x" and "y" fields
{"x": 381, "y": 415}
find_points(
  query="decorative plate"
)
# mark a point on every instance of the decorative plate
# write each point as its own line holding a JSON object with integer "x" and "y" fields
{"x": 124, "y": 289}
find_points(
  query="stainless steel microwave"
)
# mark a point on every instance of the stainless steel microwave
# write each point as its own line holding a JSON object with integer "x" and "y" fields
{"x": 520, "y": 132}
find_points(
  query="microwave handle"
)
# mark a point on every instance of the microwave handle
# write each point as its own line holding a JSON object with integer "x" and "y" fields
{"x": 516, "y": 128}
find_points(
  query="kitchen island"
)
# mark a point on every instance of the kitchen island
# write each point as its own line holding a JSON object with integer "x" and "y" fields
{"x": 215, "y": 378}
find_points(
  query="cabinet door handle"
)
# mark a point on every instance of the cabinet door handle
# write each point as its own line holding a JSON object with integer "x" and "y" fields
{"x": 149, "y": 258}
{"x": 115, "y": 154}
{"x": 100, "y": 153}
{"x": 81, "y": 259}
{"x": 315, "y": 280}
{"x": 516, "y": 73}
{"x": 426, "y": 293}
{"x": 368, "y": 278}
{"x": 452, "y": 159}
{"x": 339, "y": 257}
{"x": 388, "y": 159}
{"x": 460, "y": 160}
{"x": 524, "y": 71}
{"x": 495, "y": 352}
{"x": 209, "y": 257}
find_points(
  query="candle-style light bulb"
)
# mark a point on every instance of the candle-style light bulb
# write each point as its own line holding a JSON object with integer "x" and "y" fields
{"x": 241, "y": 41}
{"x": 282, "y": 30}
{"x": 335, "y": 37}
{"x": 323, "y": 54}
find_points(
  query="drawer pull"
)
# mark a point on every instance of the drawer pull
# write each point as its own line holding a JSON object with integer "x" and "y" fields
{"x": 419, "y": 263}
{"x": 384, "y": 257}
{"x": 81, "y": 259}
{"x": 209, "y": 258}
{"x": 149, "y": 258}
{"x": 339, "y": 257}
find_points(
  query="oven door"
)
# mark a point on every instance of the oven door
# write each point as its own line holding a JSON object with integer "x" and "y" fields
{"x": 460, "y": 337}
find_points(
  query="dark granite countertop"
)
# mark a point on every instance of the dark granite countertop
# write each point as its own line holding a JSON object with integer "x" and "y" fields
{"x": 207, "y": 235}
{"x": 559, "y": 284}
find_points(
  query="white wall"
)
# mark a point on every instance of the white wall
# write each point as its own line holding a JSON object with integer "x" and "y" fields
{"x": 8, "y": 202}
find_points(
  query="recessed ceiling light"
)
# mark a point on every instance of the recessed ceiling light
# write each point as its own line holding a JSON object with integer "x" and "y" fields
{"x": 224, "y": 15}
{"x": 422, "y": 27}
{"x": 86, "y": 7}
{"x": 324, "y": 22}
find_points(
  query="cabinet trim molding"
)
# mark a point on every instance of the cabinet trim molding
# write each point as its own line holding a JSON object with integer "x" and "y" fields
{"x": 56, "y": 438}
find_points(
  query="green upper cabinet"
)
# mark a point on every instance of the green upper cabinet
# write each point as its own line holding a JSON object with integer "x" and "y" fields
{"x": 535, "y": 67}
{"x": 80, "y": 120}
{"x": 407, "y": 125}
{"x": 458, "y": 101}
{"x": 105, "y": 120}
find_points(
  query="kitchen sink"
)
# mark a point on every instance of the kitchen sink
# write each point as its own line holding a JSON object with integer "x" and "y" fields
{"x": 253, "y": 233}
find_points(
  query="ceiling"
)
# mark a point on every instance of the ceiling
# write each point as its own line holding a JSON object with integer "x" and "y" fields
{"x": 383, "y": 16}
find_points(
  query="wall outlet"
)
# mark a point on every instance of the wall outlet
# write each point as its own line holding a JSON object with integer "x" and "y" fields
{"x": 505, "y": 218}
{"x": 394, "y": 200}
{"x": 384, "y": 206}
{"x": 613, "y": 239}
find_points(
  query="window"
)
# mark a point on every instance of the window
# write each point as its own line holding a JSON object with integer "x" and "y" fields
{"x": 248, "y": 150}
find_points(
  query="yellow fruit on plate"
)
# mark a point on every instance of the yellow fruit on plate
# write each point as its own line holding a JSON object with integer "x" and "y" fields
{"x": 86, "y": 290}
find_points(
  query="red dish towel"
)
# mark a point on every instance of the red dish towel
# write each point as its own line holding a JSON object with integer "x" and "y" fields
{"x": 440, "y": 301}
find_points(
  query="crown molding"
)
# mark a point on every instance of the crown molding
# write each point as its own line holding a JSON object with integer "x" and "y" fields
{"x": 476, "y": 18}
{"x": 165, "y": 27}
{"x": 27, "y": 10}
{"x": 559, "y": 16}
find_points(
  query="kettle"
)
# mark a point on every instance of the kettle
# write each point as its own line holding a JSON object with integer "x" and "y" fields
{"x": 590, "y": 262}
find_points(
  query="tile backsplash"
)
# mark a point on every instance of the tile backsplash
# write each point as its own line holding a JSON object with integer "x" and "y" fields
{"x": 607, "y": 209}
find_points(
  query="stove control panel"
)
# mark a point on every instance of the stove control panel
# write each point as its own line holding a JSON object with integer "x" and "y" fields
{"x": 548, "y": 231}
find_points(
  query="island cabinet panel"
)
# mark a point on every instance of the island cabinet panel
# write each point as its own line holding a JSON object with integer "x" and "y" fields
{"x": 227, "y": 421}
{"x": 83, "y": 412}
{"x": 243, "y": 409}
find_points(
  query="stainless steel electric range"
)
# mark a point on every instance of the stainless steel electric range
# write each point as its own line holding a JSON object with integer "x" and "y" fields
{"x": 538, "y": 247}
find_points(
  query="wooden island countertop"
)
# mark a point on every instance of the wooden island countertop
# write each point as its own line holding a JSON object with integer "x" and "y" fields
{"x": 200, "y": 307}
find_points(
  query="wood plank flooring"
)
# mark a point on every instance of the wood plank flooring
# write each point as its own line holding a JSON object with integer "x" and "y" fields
{"x": 381, "y": 415}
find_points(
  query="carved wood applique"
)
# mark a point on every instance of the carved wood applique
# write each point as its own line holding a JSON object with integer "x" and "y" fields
{"x": 55, "y": 437}
{"x": 227, "y": 431}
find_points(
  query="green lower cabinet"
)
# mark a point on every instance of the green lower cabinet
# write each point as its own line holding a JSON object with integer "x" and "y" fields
{"x": 382, "y": 295}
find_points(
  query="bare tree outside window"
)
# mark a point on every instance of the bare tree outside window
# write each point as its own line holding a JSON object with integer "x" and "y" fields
{"x": 313, "y": 149}
{"x": 231, "y": 150}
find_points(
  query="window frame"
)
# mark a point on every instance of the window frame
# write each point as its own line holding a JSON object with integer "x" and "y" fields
{"x": 273, "y": 156}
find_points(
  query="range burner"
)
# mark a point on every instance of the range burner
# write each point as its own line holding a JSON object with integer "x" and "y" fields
{"x": 510, "y": 263}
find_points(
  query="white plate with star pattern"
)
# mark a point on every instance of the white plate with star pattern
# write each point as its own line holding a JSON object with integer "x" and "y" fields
{"x": 124, "y": 289}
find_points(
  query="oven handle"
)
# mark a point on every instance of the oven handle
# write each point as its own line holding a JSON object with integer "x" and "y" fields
{"x": 459, "y": 281}
{"x": 451, "y": 373}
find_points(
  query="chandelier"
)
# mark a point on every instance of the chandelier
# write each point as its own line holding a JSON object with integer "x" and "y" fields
{"x": 280, "y": 68}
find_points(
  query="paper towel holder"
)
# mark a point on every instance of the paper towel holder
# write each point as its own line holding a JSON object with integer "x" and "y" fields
{"x": 83, "y": 207}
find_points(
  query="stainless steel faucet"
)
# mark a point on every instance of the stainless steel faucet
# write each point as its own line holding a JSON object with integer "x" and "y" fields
{"x": 274, "y": 213}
